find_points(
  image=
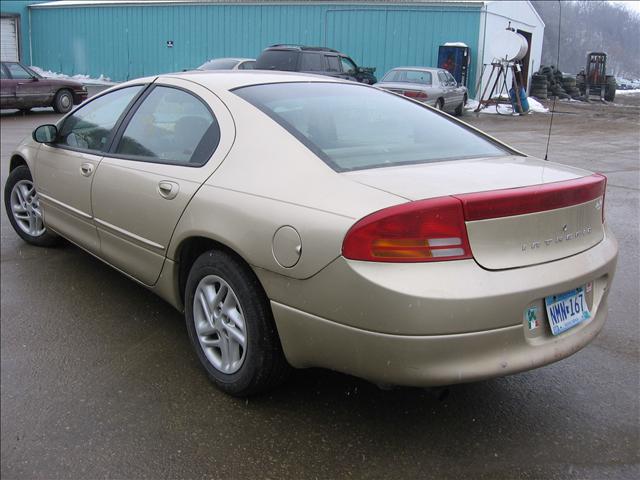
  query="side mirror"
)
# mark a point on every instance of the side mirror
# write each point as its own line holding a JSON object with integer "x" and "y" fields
{"x": 45, "y": 133}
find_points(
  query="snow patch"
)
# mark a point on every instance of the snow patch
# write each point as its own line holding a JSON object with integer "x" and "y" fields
{"x": 506, "y": 109}
{"x": 455, "y": 44}
{"x": 85, "y": 79}
{"x": 627, "y": 92}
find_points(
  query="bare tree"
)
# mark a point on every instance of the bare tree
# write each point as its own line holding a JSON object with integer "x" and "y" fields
{"x": 591, "y": 26}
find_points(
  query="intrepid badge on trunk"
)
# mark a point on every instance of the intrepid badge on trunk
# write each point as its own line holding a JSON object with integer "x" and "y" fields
{"x": 559, "y": 238}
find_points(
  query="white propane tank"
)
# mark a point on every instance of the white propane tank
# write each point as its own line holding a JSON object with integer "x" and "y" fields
{"x": 509, "y": 46}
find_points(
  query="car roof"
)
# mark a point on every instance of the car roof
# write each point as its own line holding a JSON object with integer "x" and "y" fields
{"x": 235, "y": 59}
{"x": 422, "y": 69}
{"x": 286, "y": 46}
{"x": 230, "y": 79}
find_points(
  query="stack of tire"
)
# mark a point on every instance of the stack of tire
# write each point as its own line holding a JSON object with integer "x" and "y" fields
{"x": 554, "y": 87}
{"x": 539, "y": 85}
{"x": 610, "y": 91}
{"x": 570, "y": 86}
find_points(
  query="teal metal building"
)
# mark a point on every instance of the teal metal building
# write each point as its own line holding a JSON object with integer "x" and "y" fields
{"x": 124, "y": 39}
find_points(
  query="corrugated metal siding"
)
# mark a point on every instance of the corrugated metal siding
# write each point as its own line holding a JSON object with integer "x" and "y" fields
{"x": 124, "y": 42}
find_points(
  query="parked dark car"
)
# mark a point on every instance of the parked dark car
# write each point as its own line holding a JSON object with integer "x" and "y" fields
{"x": 318, "y": 60}
{"x": 22, "y": 88}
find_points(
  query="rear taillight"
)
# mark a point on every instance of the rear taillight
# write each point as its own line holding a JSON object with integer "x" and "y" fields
{"x": 434, "y": 229}
{"x": 536, "y": 198}
{"x": 416, "y": 95}
{"x": 422, "y": 231}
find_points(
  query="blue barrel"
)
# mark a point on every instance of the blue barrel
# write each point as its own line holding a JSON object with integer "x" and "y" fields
{"x": 523, "y": 100}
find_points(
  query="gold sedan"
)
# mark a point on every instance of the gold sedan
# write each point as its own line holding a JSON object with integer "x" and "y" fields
{"x": 309, "y": 222}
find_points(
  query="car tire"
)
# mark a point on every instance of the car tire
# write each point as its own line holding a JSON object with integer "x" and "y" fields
{"x": 440, "y": 104}
{"x": 231, "y": 326}
{"x": 23, "y": 209}
{"x": 460, "y": 108}
{"x": 63, "y": 101}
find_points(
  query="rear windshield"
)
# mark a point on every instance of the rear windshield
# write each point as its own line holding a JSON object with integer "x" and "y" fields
{"x": 353, "y": 127}
{"x": 410, "y": 76}
{"x": 219, "y": 64}
{"x": 286, "y": 60}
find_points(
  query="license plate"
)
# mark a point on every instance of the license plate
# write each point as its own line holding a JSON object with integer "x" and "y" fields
{"x": 566, "y": 310}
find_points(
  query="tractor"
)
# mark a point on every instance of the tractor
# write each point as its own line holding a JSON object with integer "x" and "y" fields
{"x": 594, "y": 81}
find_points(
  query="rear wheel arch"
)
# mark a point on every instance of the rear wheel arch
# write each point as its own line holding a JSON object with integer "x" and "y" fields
{"x": 188, "y": 252}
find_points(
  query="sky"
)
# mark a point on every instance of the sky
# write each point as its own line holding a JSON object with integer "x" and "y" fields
{"x": 632, "y": 5}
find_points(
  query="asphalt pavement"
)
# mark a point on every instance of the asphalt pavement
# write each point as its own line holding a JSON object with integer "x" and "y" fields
{"x": 99, "y": 380}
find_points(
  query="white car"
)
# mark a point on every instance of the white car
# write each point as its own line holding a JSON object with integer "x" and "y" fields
{"x": 228, "y": 64}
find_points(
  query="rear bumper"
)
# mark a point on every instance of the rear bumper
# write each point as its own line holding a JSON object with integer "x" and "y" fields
{"x": 424, "y": 360}
{"x": 466, "y": 325}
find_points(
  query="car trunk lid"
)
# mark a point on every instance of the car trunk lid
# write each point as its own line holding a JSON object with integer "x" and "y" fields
{"x": 518, "y": 211}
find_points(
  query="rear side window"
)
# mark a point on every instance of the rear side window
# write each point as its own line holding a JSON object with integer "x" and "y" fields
{"x": 354, "y": 127}
{"x": 286, "y": 60}
{"x": 333, "y": 63}
{"x": 311, "y": 62}
{"x": 170, "y": 126}
{"x": 90, "y": 127}
{"x": 248, "y": 65}
{"x": 219, "y": 64}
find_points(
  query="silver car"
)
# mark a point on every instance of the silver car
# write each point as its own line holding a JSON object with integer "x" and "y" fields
{"x": 434, "y": 86}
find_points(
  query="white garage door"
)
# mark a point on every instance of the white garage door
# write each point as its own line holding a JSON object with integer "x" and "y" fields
{"x": 9, "y": 39}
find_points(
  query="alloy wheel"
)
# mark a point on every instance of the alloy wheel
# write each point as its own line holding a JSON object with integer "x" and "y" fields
{"x": 220, "y": 324}
{"x": 25, "y": 208}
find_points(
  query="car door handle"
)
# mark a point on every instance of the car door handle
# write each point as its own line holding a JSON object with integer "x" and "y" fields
{"x": 168, "y": 190}
{"x": 86, "y": 169}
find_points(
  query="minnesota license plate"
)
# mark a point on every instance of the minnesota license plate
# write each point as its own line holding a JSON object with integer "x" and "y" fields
{"x": 566, "y": 310}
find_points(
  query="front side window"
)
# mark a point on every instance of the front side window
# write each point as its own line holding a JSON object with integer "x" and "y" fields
{"x": 170, "y": 126}
{"x": 354, "y": 127}
{"x": 3, "y": 72}
{"x": 17, "y": 72}
{"x": 443, "y": 78}
{"x": 90, "y": 127}
{"x": 348, "y": 66}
